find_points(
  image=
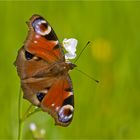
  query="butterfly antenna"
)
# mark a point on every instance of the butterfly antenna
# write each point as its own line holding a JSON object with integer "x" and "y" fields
{"x": 87, "y": 75}
{"x": 81, "y": 52}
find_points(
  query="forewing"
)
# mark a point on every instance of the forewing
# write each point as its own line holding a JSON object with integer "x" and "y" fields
{"x": 42, "y": 40}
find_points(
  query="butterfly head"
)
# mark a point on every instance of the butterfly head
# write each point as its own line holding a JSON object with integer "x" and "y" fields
{"x": 69, "y": 65}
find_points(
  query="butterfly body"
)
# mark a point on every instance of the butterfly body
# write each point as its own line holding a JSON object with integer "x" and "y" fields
{"x": 43, "y": 71}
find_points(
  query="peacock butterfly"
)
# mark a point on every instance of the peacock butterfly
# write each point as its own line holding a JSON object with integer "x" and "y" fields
{"x": 43, "y": 72}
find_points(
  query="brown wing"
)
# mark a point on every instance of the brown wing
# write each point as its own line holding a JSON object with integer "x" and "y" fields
{"x": 42, "y": 40}
{"x": 35, "y": 75}
{"x": 41, "y": 48}
{"x": 59, "y": 101}
{"x": 41, "y": 87}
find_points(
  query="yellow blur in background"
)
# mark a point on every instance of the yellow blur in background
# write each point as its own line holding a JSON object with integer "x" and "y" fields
{"x": 102, "y": 50}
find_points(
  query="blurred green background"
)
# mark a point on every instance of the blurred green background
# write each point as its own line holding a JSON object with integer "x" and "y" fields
{"x": 110, "y": 109}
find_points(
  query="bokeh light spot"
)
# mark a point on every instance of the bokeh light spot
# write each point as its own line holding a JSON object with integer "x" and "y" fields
{"x": 101, "y": 50}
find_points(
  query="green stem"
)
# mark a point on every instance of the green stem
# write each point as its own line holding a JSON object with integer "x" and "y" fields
{"x": 27, "y": 114}
{"x": 31, "y": 113}
{"x": 20, "y": 130}
{"x": 20, "y": 115}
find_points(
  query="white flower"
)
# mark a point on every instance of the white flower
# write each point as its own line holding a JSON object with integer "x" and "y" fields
{"x": 32, "y": 126}
{"x": 70, "y": 47}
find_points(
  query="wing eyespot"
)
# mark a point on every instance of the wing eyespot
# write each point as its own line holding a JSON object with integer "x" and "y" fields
{"x": 40, "y": 96}
{"x": 65, "y": 114}
{"x": 41, "y": 27}
{"x": 28, "y": 55}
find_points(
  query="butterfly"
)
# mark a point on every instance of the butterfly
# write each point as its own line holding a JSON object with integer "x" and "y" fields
{"x": 43, "y": 72}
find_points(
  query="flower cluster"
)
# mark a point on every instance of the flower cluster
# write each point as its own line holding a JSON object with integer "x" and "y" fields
{"x": 36, "y": 132}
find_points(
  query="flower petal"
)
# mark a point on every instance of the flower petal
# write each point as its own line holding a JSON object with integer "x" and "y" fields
{"x": 70, "y": 56}
{"x": 32, "y": 127}
{"x": 70, "y": 47}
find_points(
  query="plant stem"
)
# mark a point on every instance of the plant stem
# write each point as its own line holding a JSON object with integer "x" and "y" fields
{"x": 27, "y": 114}
{"x": 20, "y": 115}
{"x": 31, "y": 113}
{"x": 20, "y": 130}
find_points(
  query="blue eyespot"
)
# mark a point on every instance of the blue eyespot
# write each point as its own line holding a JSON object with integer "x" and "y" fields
{"x": 40, "y": 96}
{"x": 28, "y": 55}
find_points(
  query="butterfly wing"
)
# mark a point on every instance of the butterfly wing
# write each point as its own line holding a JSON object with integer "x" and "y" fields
{"x": 59, "y": 101}
{"x": 41, "y": 44}
{"x": 42, "y": 40}
{"x": 38, "y": 65}
{"x": 35, "y": 75}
